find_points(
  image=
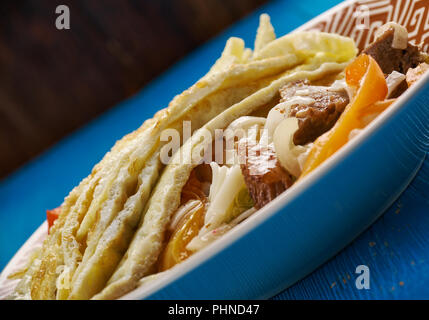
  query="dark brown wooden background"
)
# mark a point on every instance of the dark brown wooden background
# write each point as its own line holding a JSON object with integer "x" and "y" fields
{"x": 52, "y": 82}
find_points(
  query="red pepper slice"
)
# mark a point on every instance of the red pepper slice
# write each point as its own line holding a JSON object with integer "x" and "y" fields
{"x": 51, "y": 216}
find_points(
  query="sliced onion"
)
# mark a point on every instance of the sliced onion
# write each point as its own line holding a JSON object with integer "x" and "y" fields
{"x": 290, "y": 156}
{"x": 393, "y": 81}
{"x": 281, "y": 111}
{"x": 227, "y": 182}
{"x": 246, "y": 122}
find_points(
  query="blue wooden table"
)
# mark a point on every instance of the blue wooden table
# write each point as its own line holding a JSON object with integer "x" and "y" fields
{"x": 395, "y": 248}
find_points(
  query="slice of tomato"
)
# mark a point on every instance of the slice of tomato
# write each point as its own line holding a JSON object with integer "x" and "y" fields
{"x": 51, "y": 216}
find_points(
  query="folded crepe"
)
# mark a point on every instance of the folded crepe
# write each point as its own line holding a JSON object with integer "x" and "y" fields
{"x": 112, "y": 227}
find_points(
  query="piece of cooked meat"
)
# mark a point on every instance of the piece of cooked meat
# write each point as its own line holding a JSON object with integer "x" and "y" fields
{"x": 414, "y": 75}
{"x": 264, "y": 176}
{"x": 390, "y": 59}
{"x": 318, "y": 117}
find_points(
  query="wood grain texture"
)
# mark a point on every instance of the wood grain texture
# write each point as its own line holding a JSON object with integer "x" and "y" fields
{"x": 52, "y": 81}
